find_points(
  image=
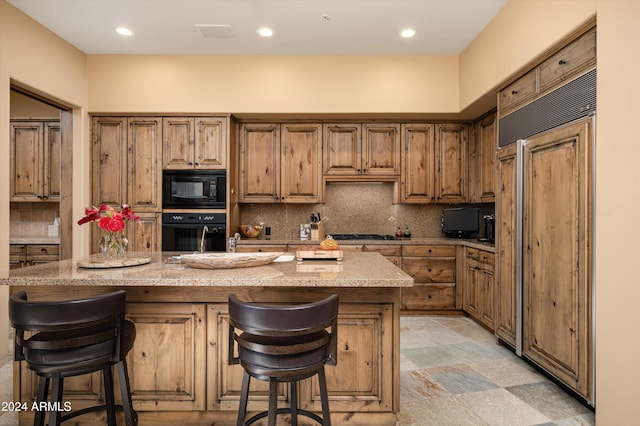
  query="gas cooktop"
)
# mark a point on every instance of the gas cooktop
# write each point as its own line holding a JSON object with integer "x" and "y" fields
{"x": 362, "y": 237}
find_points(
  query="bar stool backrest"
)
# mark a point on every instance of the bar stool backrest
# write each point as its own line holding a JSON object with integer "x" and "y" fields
{"x": 291, "y": 321}
{"x": 68, "y": 324}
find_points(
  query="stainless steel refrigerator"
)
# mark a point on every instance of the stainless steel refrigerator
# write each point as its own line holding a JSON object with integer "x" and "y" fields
{"x": 544, "y": 233}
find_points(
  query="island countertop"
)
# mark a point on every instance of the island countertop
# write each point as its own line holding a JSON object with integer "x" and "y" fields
{"x": 355, "y": 270}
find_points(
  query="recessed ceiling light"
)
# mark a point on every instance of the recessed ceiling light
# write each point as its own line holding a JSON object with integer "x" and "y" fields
{"x": 265, "y": 32}
{"x": 408, "y": 33}
{"x": 123, "y": 31}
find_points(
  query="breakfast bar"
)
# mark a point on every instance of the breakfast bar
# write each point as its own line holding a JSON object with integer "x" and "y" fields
{"x": 178, "y": 366}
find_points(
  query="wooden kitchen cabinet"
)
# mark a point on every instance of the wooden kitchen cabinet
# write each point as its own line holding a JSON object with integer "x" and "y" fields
{"x": 452, "y": 174}
{"x": 126, "y": 169}
{"x": 353, "y": 149}
{"x": 433, "y": 269}
{"x": 362, "y": 372}
{"x": 506, "y": 245}
{"x": 170, "y": 337}
{"x": 566, "y": 63}
{"x": 194, "y": 143}
{"x": 482, "y": 160}
{"x": 35, "y": 160}
{"x": 557, "y": 258}
{"x": 435, "y": 163}
{"x": 393, "y": 253}
{"x": 21, "y": 255}
{"x": 145, "y": 235}
{"x": 280, "y": 167}
{"x": 478, "y": 286}
{"x": 417, "y": 181}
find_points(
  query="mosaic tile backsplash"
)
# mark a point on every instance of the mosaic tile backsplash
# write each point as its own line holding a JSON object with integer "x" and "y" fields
{"x": 32, "y": 219}
{"x": 351, "y": 208}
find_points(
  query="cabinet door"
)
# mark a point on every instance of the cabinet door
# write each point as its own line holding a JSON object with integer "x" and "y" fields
{"x": 52, "y": 162}
{"x": 301, "y": 177}
{"x": 26, "y": 161}
{"x": 170, "y": 337}
{"x": 259, "y": 178}
{"x": 557, "y": 253}
{"x": 418, "y": 155}
{"x": 472, "y": 290}
{"x": 342, "y": 149}
{"x": 109, "y": 166}
{"x": 178, "y": 140}
{"x": 381, "y": 149}
{"x": 144, "y": 149}
{"x": 146, "y": 235}
{"x": 487, "y": 301}
{"x": 482, "y": 159}
{"x": 451, "y": 162}
{"x": 506, "y": 248}
{"x": 211, "y": 143}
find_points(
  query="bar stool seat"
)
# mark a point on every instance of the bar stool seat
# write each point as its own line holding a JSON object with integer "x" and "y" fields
{"x": 283, "y": 344}
{"x": 71, "y": 338}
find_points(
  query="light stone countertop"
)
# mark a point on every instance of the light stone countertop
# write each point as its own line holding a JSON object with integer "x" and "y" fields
{"x": 355, "y": 270}
{"x": 30, "y": 239}
{"x": 474, "y": 243}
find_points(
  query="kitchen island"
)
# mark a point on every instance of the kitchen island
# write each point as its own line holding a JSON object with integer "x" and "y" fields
{"x": 178, "y": 366}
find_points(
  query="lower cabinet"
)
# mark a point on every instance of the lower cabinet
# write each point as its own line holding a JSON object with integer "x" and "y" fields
{"x": 478, "y": 295}
{"x": 21, "y": 255}
{"x": 433, "y": 269}
{"x": 363, "y": 372}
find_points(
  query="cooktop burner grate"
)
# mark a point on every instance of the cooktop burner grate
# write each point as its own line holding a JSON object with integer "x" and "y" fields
{"x": 362, "y": 237}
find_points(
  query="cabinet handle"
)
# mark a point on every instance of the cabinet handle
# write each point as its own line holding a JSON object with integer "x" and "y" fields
{"x": 514, "y": 92}
{"x": 562, "y": 62}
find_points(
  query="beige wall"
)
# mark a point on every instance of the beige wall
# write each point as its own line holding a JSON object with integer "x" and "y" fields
{"x": 272, "y": 84}
{"x": 523, "y": 30}
{"x": 26, "y": 49}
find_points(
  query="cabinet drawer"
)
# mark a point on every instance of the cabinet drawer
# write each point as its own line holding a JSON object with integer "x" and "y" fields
{"x": 429, "y": 251}
{"x": 519, "y": 91}
{"x": 430, "y": 296}
{"x": 481, "y": 256}
{"x": 17, "y": 252}
{"x": 437, "y": 270}
{"x": 385, "y": 250}
{"x": 43, "y": 252}
{"x": 569, "y": 61}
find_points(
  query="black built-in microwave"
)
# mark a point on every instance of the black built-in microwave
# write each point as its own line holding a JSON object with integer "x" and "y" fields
{"x": 194, "y": 189}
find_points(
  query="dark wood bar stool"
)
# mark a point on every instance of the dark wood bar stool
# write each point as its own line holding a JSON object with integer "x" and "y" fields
{"x": 283, "y": 343}
{"x": 70, "y": 338}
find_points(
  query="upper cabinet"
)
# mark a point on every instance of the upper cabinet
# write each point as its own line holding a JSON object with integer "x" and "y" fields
{"x": 451, "y": 181}
{"x": 565, "y": 64}
{"x": 126, "y": 155}
{"x": 35, "y": 160}
{"x": 482, "y": 160}
{"x": 194, "y": 143}
{"x": 434, "y": 163}
{"x": 418, "y": 163}
{"x": 280, "y": 163}
{"x": 370, "y": 149}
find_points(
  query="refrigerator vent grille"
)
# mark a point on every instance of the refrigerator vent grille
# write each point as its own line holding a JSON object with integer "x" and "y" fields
{"x": 574, "y": 100}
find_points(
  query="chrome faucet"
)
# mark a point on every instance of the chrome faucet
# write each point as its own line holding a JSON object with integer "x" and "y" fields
{"x": 205, "y": 229}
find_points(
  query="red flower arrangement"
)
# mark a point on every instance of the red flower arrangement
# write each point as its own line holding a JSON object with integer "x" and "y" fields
{"x": 108, "y": 218}
{"x": 113, "y": 244}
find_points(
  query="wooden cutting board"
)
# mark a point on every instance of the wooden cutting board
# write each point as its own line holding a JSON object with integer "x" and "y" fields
{"x": 315, "y": 252}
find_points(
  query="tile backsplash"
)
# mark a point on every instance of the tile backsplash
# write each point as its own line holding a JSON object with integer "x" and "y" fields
{"x": 351, "y": 208}
{"x": 32, "y": 219}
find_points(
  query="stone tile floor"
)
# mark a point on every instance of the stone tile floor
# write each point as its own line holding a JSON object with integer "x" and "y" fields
{"x": 452, "y": 372}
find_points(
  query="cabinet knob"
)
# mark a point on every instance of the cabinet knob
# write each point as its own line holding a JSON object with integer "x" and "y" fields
{"x": 514, "y": 92}
{"x": 562, "y": 62}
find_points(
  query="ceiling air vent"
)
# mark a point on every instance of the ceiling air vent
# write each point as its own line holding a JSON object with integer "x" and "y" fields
{"x": 216, "y": 30}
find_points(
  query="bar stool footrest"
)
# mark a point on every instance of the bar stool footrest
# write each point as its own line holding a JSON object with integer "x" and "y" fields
{"x": 301, "y": 412}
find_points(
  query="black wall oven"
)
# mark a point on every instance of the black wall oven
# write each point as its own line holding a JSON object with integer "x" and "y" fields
{"x": 194, "y": 231}
{"x": 194, "y": 189}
